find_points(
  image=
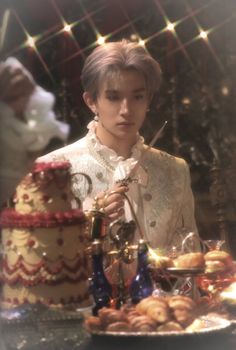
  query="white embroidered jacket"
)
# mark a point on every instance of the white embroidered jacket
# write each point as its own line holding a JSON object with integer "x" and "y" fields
{"x": 161, "y": 197}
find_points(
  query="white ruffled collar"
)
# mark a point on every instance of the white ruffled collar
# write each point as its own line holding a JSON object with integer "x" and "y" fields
{"x": 110, "y": 153}
{"x": 121, "y": 166}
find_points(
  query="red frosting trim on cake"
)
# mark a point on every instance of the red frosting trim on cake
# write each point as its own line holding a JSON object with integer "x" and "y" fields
{"x": 41, "y": 273}
{"x": 42, "y": 265}
{"x": 44, "y": 166}
{"x": 11, "y": 219}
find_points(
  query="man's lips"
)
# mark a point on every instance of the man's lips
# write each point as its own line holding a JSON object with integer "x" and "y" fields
{"x": 125, "y": 124}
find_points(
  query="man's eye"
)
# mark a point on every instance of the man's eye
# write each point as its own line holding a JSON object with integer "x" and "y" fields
{"x": 113, "y": 97}
{"x": 139, "y": 97}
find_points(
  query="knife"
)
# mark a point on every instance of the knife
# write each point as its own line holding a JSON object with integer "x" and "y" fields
{"x": 128, "y": 178}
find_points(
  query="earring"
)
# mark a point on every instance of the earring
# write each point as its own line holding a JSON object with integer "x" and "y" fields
{"x": 96, "y": 118}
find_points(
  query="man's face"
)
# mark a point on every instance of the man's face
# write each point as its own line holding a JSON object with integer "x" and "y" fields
{"x": 122, "y": 104}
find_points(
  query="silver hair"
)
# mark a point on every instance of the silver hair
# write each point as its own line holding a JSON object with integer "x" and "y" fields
{"x": 111, "y": 58}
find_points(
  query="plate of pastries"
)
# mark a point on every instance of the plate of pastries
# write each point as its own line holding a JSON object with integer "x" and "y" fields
{"x": 156, "y": 316}
{"x": 214, "y": 261}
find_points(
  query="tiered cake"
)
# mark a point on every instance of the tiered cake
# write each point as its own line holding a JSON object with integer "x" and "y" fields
{"x": 43, "y": 241}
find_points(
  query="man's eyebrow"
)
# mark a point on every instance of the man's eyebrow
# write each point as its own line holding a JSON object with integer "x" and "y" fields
{"x": 116, "y": 91}
{"x": 139, "y": 89}
{"x": 111, "y": 91}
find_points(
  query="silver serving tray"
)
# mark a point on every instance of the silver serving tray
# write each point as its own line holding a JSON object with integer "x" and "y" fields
{"x": 185, "y": 272}
{"x": 211, "y": 325}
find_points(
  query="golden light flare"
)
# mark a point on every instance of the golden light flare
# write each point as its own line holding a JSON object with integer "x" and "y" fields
{"x": 203, "y": 34}
{"x": 153, "y": 254}
{"x": 88, "y": 17}
{"x": 141, "y": 42}
{"x": 30, "y": 42}
{"x": 67, "y": 28}
{"x": 170, "y": 26}
{"x": 101, "y": 40}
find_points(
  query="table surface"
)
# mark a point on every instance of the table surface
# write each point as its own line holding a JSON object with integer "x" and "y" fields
{"x": 58, "y": 331}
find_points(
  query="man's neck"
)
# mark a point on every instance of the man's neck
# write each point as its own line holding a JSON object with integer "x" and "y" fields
{"x": 122, "y": 147}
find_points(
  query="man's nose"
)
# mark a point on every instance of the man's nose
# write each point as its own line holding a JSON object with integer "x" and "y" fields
{"x": 124, "y": 108}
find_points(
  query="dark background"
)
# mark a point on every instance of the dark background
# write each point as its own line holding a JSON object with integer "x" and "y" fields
{"x": 198, "y": 92}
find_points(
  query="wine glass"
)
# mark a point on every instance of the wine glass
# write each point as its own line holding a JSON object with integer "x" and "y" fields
{"x": 185, "y": 241}
{"x": 213, "y": 244}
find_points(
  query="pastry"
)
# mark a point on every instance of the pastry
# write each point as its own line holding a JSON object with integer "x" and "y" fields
{"x": 119, "y": 326}
{"x": 150, "y": 302}
{"x": 183, "y": 309}
{"x": 214, "y": 266}
{"x": 93, "y": 323}
{"x": 190, "y": 260}
{"x": 142, "y": 324}
{"x": 159, "y": 313}
{"x": 183, "y": 316}
{"x": 218, "y": 260}
{"x": 181, "y": 302}
{"x": 152, "y": 314}
{"x": 108, "y": 316}
{"x": 219, "y": 255}
{"x": 170, "y": 326}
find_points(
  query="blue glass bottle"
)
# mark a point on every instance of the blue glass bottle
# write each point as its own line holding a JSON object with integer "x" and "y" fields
{"x": 142, "y": 285}
{"x": 100, "y": 287}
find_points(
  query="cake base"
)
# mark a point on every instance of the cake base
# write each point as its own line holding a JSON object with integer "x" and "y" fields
{"x": 72, "y": 294}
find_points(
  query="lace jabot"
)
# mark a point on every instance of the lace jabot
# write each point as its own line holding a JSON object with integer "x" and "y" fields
{"x": 120, "y": 166}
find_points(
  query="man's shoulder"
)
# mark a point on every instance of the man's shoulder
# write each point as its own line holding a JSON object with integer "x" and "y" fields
{"x": 65, "y": 152}
{"x": 165, "y": 157}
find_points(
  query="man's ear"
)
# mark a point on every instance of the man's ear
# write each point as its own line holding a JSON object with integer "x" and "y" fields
{"x": 90, "y": 102}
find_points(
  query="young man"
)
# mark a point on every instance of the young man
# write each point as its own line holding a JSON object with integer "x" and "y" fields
{"x": 119, "y": 80}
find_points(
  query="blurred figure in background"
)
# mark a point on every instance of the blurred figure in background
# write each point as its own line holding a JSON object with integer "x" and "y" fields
{"x": 27, "y": 124}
